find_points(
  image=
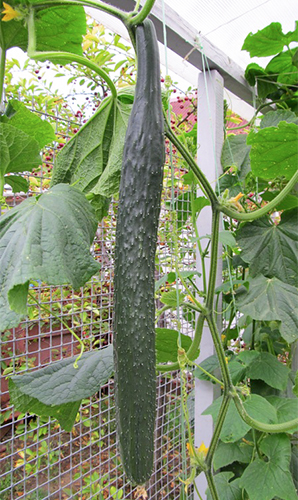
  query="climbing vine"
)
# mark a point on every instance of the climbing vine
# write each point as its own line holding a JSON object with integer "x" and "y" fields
{"x": 252, "y": 449}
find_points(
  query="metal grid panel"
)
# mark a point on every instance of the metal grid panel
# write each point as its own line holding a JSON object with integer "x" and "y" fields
{"x": 37, "y": 459}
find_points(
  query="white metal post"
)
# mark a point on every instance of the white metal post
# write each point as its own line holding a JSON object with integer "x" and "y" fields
{"x": 210, "y": 140}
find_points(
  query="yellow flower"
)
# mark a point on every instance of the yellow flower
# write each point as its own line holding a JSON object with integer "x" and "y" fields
{"x": 190, "y": 298}
{"x": 10, "y": 13}
{"x": 235, "y": 201}
{"x": 202, "y": 449}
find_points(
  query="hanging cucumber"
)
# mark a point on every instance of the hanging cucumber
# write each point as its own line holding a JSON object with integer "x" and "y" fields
{"x": 136, "y": 237}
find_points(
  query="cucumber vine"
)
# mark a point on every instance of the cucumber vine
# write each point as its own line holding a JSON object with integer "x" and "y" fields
{"x": 232, "y": 393}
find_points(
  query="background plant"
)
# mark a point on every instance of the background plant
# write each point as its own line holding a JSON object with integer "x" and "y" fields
{"x": 261, "y": 282}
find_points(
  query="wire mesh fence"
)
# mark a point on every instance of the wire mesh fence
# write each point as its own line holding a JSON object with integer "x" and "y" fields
{"x": 38, "y": 460}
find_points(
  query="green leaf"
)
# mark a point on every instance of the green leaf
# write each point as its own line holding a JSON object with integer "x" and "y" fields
{"x": 266, "y": 367}
{"x": 235, "y": 152}
{"x": 271, "y": 249}
{"x": 83, "y": 158}
{"x": 266, "y": 42}
{"x": 237, "y": 371}
{"x": 270, "y": 299}
{"x": 274, "y": 151}
{"x": 46, "y": 238}
{"x": 57, "y": 28}
{"x": 265, "y": 480}
{"x": 282, "y": 65}
{"x": 234, "y": 428}
{"x": 292, "y": 36}
{"x": 17, "y": 183}
{"x": 209, "y": 364}
{"x": 92, "y": 159}
{"x": 227, "y": 490}
{"x": 288, "y": 203}
{"x": 286, "y": 408}
{"x": 108, "y": 183}
{"x": 295, "y": 58}
{"x": 227, "y": 238}
{"x": 295, "y": 388}
{"x": 43, "y": 391}
{"x": 200, "y": 203}
{"x": 272, "y": 118}
{"x": 227, "y": 453}
{"x": 172, "y": 298}
{"x": 248, "y": 357}
{"x": 166, "y": 344}
{"x": 23, "y": 119}
{"x": 255, "y": 74}
{"x": 172, "y": 276}
{"x": 18, "y": 151}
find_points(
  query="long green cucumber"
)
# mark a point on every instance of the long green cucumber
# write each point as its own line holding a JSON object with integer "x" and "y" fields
{"x": 136, "y": 238}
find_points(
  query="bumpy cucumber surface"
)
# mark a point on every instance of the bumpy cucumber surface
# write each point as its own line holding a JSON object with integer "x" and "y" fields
{"x": 136, "y": 238}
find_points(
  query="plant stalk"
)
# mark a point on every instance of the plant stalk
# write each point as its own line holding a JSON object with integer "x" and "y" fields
{"x": 289, "y": 426}
{"x": 135, "y": 19}
{"x": 204, "y": 183}
{"x": 63, "y": 56}
{"x": 264, "y": 210}
{"x": 2, "y": 77}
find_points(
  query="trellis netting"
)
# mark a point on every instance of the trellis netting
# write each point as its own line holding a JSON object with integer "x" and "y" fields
{"x": 38, "y": 460}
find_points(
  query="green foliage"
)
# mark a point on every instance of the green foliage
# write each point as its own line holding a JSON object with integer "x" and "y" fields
{"x": 59, "y": 28}
{"x": 266, "y": 479}
{"x": 42, "y": 391}
{"x": 255, "y": 355}
{"x": 271, "y": 299}
{"x": 271, "y": 249}
{"x": 50, "y": 237}
{"x": 269, "y": 41}
{"x": 274, "y": 151}
{"x": 166, "y": 344}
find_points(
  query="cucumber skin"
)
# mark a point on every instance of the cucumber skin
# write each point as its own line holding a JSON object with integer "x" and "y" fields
{"x": 136, "y": 238}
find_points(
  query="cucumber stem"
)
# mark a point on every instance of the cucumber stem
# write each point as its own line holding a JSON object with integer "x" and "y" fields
{"x": 250, "y": 216}
{"x": 135, "y": 19}
{"x": 204, "y": 183}
{"x": 289, "y": 426}
{"x": 62, "y": 56}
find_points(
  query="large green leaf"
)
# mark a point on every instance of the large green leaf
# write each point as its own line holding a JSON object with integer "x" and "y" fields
{"x": 45, "y": 238}
{"x": 166, "y": 344}
{"x": 227, "y": 453}
{"x": 270, "y": 299}
{"x": 272, "y": 118}
{"x": 268, "y": 41}
{"x": 282, "y": 65}
{"x": 274, "y": 151}
{"x": 227, "y": 489}
{"x": 57, "y": 29}
{"x": 92, "y": 159}
{"x": 266, "y": 367}
{"x": 108, "y": 183}
{"x": 17, "y": 183}
{"x": 53, "y": 390}
{"x": 235, "y": 152}
{"x": 234, "y": 428}
{"x": 271, "y": 249}
{"x": 286, "y": 408}
{"x": 18, "y": 151}
{"x": 255, "y": 74}
{"x": 23, "y": 119}
{"x": 265, "y": 480}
